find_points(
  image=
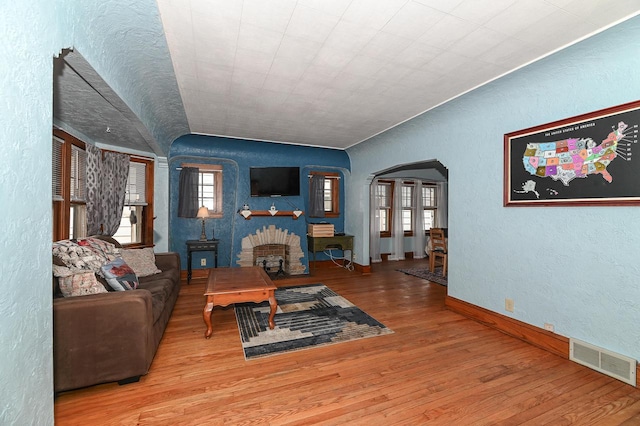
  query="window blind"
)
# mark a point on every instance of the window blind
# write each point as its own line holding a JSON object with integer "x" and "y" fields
{"x": 136, "y": 185}
{"x": 56, "y": 164}
{"x": 78, "y": 174}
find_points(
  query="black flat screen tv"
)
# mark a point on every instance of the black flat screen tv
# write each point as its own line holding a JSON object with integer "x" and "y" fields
{"x": 274, "y": 181}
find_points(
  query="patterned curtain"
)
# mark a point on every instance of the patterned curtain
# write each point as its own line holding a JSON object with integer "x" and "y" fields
{"x": 94, "y": 171}
{"x": 115, "y": 171}
{"x": 316, "y": 196}
{"x": 188, "y": 192}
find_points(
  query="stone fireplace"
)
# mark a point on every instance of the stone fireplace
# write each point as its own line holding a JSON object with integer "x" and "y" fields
{"x": 271, "y": 244}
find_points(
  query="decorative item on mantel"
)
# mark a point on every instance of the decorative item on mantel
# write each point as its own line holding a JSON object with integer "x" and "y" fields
{"x": 245, "y": 211}
{"x": 273, "y": 211}
{"x": 203, "y": 213}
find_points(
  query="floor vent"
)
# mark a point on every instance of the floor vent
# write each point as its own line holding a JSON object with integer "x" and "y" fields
{"x": 610, "y": 363}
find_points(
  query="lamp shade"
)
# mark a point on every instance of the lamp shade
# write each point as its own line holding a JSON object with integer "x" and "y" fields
{"x": 203, "y": 213}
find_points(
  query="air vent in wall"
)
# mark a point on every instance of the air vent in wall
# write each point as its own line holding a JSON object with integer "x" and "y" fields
{"x": 610, "y": 363}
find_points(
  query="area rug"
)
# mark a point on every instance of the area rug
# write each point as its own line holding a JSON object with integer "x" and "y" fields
{"x": 308, "y": 316}
{"x": 424, "y": 273}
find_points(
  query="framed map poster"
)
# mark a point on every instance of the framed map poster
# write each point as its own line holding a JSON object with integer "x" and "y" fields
{"x": 583, "y": 160}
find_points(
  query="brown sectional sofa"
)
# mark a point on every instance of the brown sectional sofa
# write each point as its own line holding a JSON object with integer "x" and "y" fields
{"x": 113, "y": 336}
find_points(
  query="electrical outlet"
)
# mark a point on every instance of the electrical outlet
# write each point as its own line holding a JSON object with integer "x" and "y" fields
{"x": 203, "y": 262}
{"x": 548, "y": 327}
{"x": 508, "y": 305}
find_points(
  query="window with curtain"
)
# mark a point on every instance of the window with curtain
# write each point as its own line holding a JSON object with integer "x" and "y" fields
{"x": 135, "y": 204}
{"x": 330, "y": 188}
{"x": 384, "y": 191}
{"x": 70, "y": 192}
{"x": 200, "y": 185}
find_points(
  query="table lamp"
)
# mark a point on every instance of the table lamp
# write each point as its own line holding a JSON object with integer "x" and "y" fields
{"x": 203, "y": 213}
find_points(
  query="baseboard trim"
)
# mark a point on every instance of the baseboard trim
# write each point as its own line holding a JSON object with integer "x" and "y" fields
{"x": 536, "y": 336}
{"x": 363, "y": 269}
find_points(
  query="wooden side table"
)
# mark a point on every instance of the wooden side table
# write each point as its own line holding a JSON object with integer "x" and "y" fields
{"x": 319, "y": 244}
{"x": 197, "y": 245}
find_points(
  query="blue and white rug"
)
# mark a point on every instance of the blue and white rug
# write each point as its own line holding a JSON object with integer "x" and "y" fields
{"x": 308, "y": 316}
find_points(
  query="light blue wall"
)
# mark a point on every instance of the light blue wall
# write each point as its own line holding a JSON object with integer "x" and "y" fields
{"x": 26, "y": 387}
{"x": 237, "y": 156}
{"x": 577, "y": 267}
{"x": 31, "y": 34}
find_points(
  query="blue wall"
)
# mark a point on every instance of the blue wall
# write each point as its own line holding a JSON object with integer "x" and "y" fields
{"x": 574, "y": 267}
{"x": 236, "y": 157}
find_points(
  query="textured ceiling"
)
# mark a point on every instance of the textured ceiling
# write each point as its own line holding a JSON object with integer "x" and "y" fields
{"x": 326, "y": 73}
{"x": 82, "y": 100}
{"x": 336, "y": 72}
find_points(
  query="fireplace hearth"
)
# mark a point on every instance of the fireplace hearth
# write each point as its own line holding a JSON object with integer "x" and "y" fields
{"x": 267, "y": 247}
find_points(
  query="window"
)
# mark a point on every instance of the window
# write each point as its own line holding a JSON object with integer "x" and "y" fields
{"x": 331, "y": 194}
{"x": 68, "y": 171}
{"x": 383, "y": 193}
{"x": 429, "y": 206}
{"x": 136, "y": 208}
{"x": 56, "y": 182}
{"x": 407, "y": 208}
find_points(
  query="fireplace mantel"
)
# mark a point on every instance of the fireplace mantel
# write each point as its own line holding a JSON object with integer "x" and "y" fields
{"x": 269, "y": 213}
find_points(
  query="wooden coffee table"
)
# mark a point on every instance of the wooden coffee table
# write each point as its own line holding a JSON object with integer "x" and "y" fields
{"x": 238, "y": 285}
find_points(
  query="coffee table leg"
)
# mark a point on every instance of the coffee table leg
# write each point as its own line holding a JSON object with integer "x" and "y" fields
{"x": 274, "y": 306}
{"x": 208, "y": 311}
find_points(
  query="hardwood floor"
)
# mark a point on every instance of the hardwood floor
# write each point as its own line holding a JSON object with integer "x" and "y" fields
{"x": 437, "y": 368}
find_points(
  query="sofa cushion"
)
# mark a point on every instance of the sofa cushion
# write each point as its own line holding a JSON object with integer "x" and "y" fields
{"x": 119, "y": 275}
{"x": 160, "y": 292}
{"x": 80, "y": 284}
{"x": 142, "y": 261}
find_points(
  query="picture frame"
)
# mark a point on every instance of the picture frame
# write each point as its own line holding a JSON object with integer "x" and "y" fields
{"x": 586, "y": 160}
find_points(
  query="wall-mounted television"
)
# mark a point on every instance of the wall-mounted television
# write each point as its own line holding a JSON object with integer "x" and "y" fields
{"x": 274, "y": 181}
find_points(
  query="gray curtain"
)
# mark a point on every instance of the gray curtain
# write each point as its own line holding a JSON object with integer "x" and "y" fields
{"x": 188, "y": 192}
{"x": 107, "y": 175}
{"x": 94, "y": 172}
{"x": 115, "y": 172}
{"x": 419, "y": 239}
{"x": 316, "y": 196}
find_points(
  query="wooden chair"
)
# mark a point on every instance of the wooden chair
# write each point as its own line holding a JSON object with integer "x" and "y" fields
{"x": 438, "y": 250}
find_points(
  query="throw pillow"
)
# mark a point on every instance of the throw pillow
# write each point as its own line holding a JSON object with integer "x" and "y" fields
{"x": 80, "y": 284}
{"x": 76, "y": 257}
{"x": 119, "y": 275}
{"x": 142, "y": 261}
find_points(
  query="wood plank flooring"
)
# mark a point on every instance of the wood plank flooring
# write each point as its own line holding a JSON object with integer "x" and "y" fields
{"x": 438, "y": 368}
